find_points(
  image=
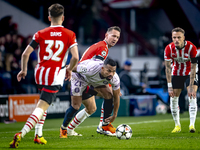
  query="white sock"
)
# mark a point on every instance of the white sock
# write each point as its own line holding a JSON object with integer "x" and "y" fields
{"x": 175, "y": 110}
{"x": 32, "y": 120}
{"x": 78, "y": 119}
{"x": 101, "y": 118}
{"x": 192, "y": 110}
{"x": 39, "y": 125}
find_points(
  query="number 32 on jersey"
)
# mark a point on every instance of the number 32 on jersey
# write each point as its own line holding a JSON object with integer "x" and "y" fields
{"x": 53, "y": 56}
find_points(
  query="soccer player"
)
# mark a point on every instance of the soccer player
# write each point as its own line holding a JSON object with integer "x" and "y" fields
{"x": 98, "y": 50}
{"x": 95, "y": 73}
{"x": 182, "y": 54}
{"x": 55, "y": 43}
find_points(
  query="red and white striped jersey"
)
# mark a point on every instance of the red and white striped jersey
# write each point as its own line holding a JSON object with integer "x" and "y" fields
{"x": 99, "y": 49}
{"x": 54, "y": 42}
{"x": 181, "y": 59}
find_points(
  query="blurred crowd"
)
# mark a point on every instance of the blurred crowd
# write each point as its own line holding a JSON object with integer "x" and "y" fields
{"x": 12, "y": 46}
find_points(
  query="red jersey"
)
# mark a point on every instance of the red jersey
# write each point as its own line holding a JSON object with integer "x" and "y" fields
{"x": 54, "y": 42}
{"x": 99, "y": 49}
{"x": 181, "y": 59}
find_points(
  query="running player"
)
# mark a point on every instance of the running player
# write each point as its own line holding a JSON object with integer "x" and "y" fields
{"x": 55, "y": 43}
{"x": 98, "y": 50}
{"x": 182, "y": 54}
{"x": 95, "y": 73}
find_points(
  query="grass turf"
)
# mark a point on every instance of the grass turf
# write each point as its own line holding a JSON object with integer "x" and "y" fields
{"x": 149, "y": 132}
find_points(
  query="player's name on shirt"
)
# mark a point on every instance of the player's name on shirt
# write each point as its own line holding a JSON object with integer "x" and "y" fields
{"x": 55, "y": 33}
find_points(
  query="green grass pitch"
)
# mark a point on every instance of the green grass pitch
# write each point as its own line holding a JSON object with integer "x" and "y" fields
{"x": 149, "y": 132}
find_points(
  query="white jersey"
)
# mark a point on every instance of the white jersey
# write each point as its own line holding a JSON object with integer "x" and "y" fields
{"x": 90, "y": 75}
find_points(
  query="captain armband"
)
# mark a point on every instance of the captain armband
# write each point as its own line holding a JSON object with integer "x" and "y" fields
{"x": 33, "y": 44}
{"x": 193, "y": 60}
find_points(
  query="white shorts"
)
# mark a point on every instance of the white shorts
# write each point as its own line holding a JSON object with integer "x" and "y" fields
{"x": 78, "y": 85}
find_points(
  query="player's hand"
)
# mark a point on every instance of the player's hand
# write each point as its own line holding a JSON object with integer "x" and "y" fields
{"x": 20, "y": 75}
{"x": 110, "y": 119}
{"x": 170, "y": 91}
{"x": 68, "y": 75}
{"x": 191, "y": 92}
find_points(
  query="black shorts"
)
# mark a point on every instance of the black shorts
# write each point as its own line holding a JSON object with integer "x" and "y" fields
{"x": 48, "y": 93}
{"x": 88, "y": 92}
{"x": 178, "y": 82}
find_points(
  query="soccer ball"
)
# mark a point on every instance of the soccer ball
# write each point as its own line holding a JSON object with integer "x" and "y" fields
{"x": 123, "y": 132}
{"x": 161, "y": 109}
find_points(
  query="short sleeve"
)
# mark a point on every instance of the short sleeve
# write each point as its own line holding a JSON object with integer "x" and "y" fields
{"x": 73, "y": 40}
{"x": 115, "y": 82}
{"x": 36, "y": 37}
{"x": 193, "y": 52}
{"x": 167, "y": 53}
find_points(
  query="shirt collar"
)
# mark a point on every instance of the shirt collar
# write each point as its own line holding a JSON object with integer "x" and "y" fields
{"x": 57, "y": 26}
{"x": 185, "y": 43}
{"x": 106, "y": 43}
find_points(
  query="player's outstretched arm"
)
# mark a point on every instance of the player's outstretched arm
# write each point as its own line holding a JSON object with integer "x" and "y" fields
{"x": 24, "y": 62}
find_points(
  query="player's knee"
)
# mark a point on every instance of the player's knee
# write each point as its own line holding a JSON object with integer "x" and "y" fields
{"x": 76, "y": 106}
{"x": 91, "y": 110}
{"x": 108, "y": 95}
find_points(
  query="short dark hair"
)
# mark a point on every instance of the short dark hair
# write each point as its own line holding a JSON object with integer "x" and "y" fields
{"x": 110, "y": 62}
{"x": 114, "y": 28}
{"x": 56, "y": 10}
{"x": 178, "y": 29}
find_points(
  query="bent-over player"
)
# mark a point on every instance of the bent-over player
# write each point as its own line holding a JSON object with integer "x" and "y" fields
{"x": 93, "y": 73}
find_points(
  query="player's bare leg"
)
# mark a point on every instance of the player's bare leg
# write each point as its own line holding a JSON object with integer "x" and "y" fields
{"x": 192, "y": 111}
{"x": 90, "y": 108}
{"x": 175, "y": 110}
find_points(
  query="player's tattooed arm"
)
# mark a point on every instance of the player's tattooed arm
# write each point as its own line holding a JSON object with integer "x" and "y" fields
{"x": 168, "y": 71}
{"x": 168, "y": 76}
{"x": 191, "y": 91}
{"x": 192, "y": 73}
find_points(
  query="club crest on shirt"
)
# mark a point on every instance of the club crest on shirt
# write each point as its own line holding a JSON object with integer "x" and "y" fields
{"x": 76, "y": 90}
{"x": 105, "y": 82}
{"x": 103, "y": 53}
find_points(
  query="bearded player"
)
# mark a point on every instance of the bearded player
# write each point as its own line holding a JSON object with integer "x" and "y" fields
{"x": 182, "y": 54}
{"x": 99, "y": 51}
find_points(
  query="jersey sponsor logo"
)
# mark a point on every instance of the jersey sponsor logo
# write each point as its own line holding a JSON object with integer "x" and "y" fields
{"x": 103, "y": 53}
{"x": 55, "y": 33}
{"x": 182, "y": 60}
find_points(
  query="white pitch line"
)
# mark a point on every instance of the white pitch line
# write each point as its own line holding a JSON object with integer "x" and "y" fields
{"x": 141, "y": 122}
